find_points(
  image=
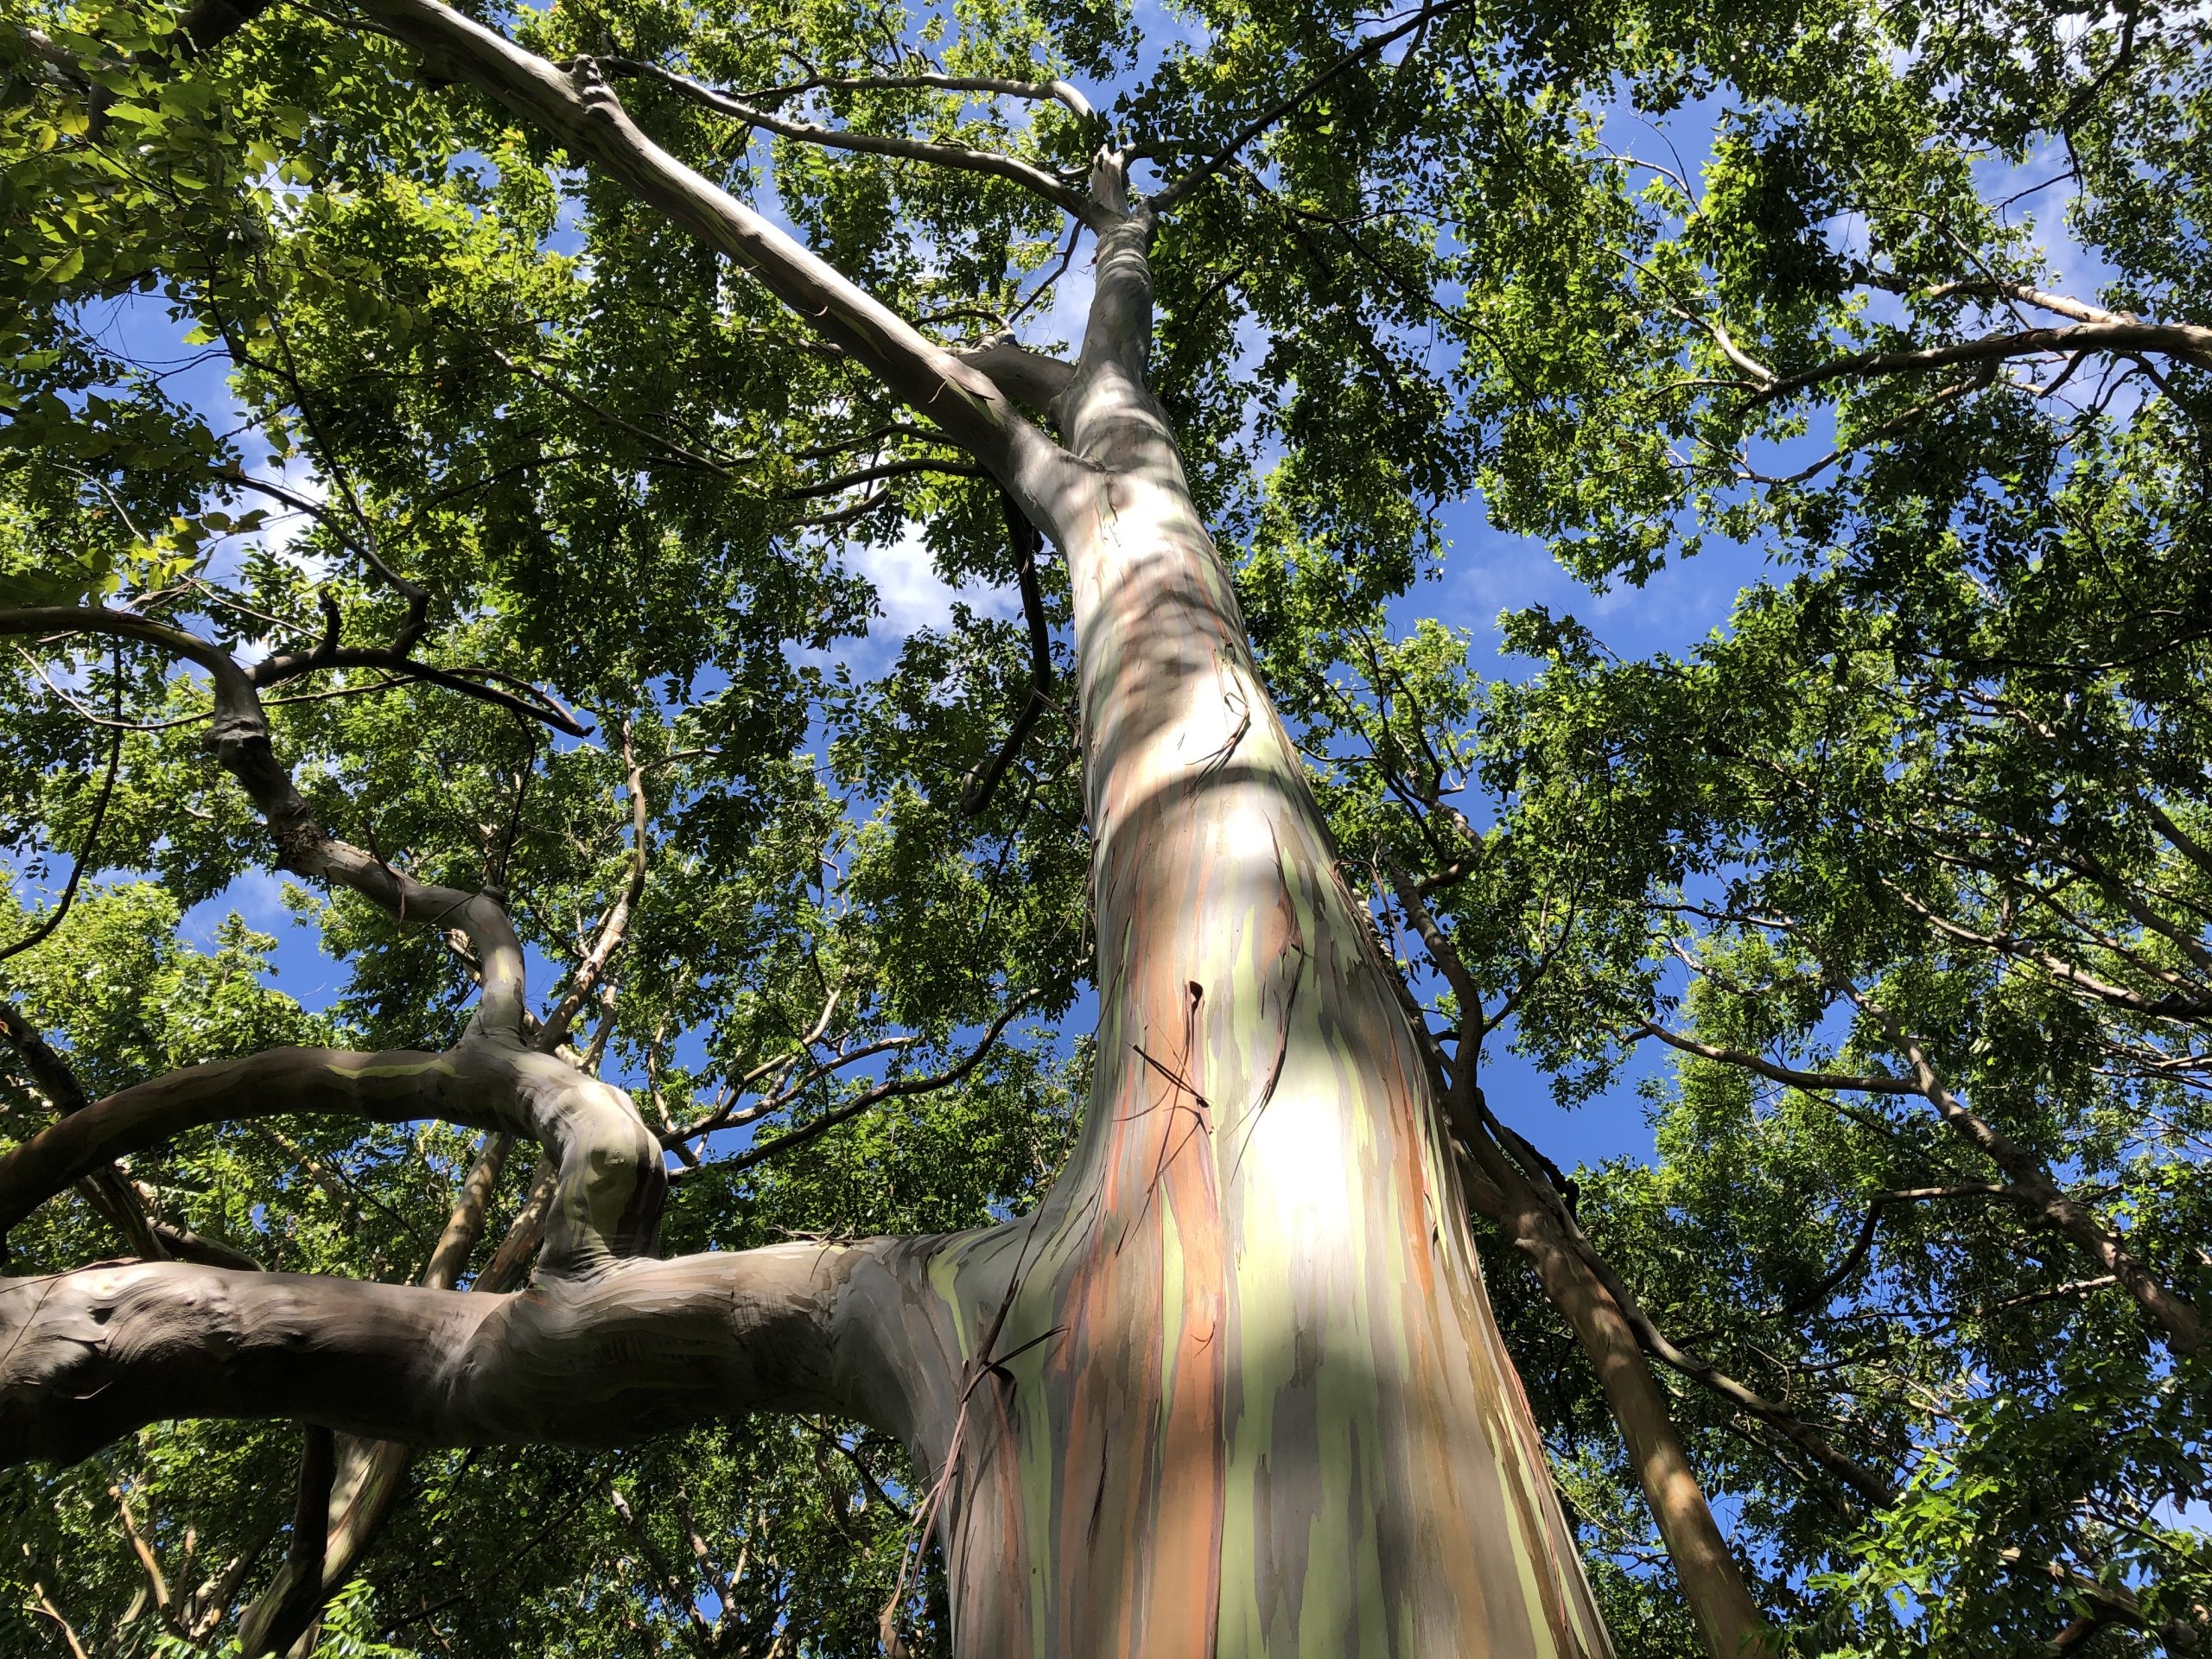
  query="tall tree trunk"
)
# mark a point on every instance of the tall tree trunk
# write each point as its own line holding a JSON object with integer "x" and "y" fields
{"x": 1235, "y": 1388}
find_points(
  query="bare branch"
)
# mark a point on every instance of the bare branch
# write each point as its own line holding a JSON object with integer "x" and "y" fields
{"x": 896, "y": 1089}
{"x": 1442, "y": 951}
{"x": 984, "y": 780}
{"x": 2174, "y": 1315}
{"x": 417, "y": 596}
{"x": 958, "y": 157}
{"x": 106, "y": 1188}
{"x": 2063, "y": 305}
{"x": 78, "y": 866}
{"x": 2176, "y": 1005}
{"x": 1822, "y": 1082}
{"x": 1863, "y": 1245}
{"x": 889, "y": 469}
{"x": 1036, "y": 91}
{"x": 679, "y": 453}
{"x": 239, "y": 737}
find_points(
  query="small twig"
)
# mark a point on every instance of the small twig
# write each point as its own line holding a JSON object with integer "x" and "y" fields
{"x": 83, "y": 861}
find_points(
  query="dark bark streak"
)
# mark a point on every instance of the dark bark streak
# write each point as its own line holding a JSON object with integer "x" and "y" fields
{"x": 984, "y": 781}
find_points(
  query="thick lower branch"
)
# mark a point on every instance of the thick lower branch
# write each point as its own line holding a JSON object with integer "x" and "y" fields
{"x": 88, "y": 1356}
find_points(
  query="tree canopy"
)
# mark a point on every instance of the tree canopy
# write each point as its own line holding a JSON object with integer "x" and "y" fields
{"x": 555, "y": 546}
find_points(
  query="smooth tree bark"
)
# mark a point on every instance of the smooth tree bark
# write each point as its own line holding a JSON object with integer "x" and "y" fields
{"x": 1234, "y": 1388}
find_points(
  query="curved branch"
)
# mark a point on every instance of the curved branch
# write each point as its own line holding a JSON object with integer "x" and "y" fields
{"x": 106, "y": 1189}
{"x": 2182, "y": 1004}
{"x": 272, "y": 1624}
{"x": 684, "y": 455}
{"x": 1863, "y": 1244}
{"x": 59, "y": 913}
{"x": 416, "y": 595}
{"x": 1442, "y": 953}
{"x": 1822, "y": 1082}
{"x": 609, "y": 1192}
{"x": 1729, "y": 1618}
{"x": 2063, "y": 305}
{"x": 239, "y": 738}
{"x": 537, "y": 705}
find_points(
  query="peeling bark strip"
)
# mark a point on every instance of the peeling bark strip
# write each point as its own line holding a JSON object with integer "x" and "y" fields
{"x": 1234, "y": 1389}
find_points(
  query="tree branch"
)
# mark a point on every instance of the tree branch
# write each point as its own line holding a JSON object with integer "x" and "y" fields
{"x": 365, "y": 1486}
{"x": 895, "y": 1089}
{"x": 581, "y": 111}
{"x": 1869, "y": 1484}
{"x": 1028, "y": 377}
{"x": 1036, "y": 91}
{"x": 960, "y": 158}
{"x": 2165, "y": 339}
{"x": 239, "y": 738}
{"x": 1820, "y": 1082}
{"x": 611, "y": 1182}
{"x": 2043, "y": 1195}
{"x": 274, "y": 1624}
{"x": 88, "y": 1356}
{"x": 106, "y": 1188}
{"x": 1863, "y": 1244}
{"x": 906, "y": 468}
{"x": 984, "y": 780}
{"x": 612, "y": 930}
{"x": 78, "y": 866}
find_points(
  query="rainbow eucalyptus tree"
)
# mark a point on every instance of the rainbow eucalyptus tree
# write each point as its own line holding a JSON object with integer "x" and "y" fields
{"x": 1006, "y": 1148}
{"x": 1232, "y": 1385}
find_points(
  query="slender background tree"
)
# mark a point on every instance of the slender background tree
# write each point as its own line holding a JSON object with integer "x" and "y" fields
{"x": 821, "y": 1141}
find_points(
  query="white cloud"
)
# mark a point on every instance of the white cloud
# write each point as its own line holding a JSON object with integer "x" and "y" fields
{"x": 912, "y": 594}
